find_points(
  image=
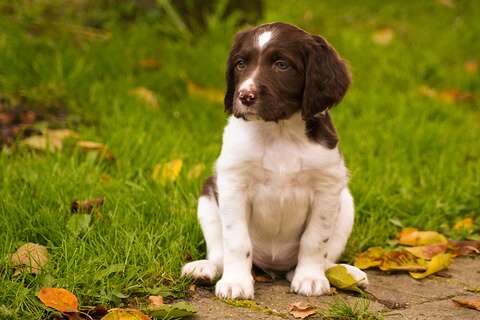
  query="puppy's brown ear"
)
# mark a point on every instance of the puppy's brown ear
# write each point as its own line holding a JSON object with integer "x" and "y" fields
{"x": 327, "y": 78}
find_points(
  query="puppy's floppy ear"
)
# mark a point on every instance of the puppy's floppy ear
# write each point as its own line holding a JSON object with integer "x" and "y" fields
{"x": 229, "y": 74}
{"x": 327, "y": 78}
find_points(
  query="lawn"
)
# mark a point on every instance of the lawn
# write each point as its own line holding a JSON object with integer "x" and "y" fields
{"x": 409, "y": 128}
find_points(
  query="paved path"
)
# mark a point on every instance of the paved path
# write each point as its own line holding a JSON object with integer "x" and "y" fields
{"x": 419, "y": 299}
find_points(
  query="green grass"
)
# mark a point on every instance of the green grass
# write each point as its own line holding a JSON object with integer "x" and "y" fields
{"x": 411, "y": 157}
{"x": 342, "y": 310}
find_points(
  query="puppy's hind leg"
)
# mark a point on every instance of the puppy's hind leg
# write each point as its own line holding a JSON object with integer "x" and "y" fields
{"x": 338, "y": 241}
{"x": 208, "y": 216}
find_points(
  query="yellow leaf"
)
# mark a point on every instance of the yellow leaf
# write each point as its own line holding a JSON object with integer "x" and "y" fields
{"x": 401, "y": 260}
{"x": 211, "y": 94}
{"x": 464, "y": 224}
{"x": 301, "y": 310}
{"x": 339, "y": 277}
{"x": 96, "y": 146}
{"x": 370, "y": 258}
{"x": 58, "y": 299}
{"x": 383, "y": 36}
{"x": 31, "y": 257}
{"x": 196, "y": 171}
{"x": 413, "y": 237}
{"x": 428, "y": 252}
{"x": 125, "y": 314}
{"x": 439, "y": 262}
{"x": 469, "y": 302}
{"x": 146, "y": 95}
{"x": 471, "y": 66}
{"x": 167, "y": 172}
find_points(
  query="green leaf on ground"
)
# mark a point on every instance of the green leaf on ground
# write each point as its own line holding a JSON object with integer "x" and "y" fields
{"x": 339, "y": 277}
{"x": 172, "y": 311}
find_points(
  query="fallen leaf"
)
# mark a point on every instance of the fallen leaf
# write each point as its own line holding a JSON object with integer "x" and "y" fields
{"x": 173, "y": 311}
{"x": 413, "y": 237}
{"x": 125, "y": 314}
{"x": 196, "y": 171}
{"x": 86, "y": 205}
{"x": 428, "y": 252}
{"x": 146, "y": 95}
{"x": 339, "y": 277}
{"x": 97, "y": 147}
{"x": 370, "y": 258}
{"x": 148, "y": 63}
{"x": 401, "y": 260}
{"x": 464, "y": 247}
{"x": 383, "y": 36}
{"x": 455, "y": 96}
{"x": 464, "y": 224}
{"x": 49, "y": 140}
{"x": 59, "y": 299}
{"x": 211, "y": 94}
{"x": 192, "y": 288}
{"x": 469, "y": 302}
{"x": 155, "y": 301}
{"x": 79, "y": 223}
{"x": 30, "y": 257}
{"x": 439, "y": 262}
{"x": 167, "y": 172}
{"x": 471, "y": 66}
{"x": 301, "y": 310}
{"x": 261, "y": 277}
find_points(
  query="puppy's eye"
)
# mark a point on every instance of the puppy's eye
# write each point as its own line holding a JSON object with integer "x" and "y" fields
{"x": 241, "y": 64}
{"x": 281, "y": 65}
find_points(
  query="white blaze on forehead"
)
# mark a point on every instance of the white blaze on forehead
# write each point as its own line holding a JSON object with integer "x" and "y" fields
{"x": 264, "y": 38}
{"x": 248, "y": 84}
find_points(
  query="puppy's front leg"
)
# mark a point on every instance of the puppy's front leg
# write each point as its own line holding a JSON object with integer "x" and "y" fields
{"x": 237, "y": 280}
{"x": 309, "y": 278}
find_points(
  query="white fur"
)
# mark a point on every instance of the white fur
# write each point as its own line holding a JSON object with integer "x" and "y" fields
{"x": 264, "y": 38}
{"x": 284, "y": 204}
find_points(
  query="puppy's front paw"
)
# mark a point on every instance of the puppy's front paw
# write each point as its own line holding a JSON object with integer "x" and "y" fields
{"x": 358, "y": 275}
{"x": 235, "y": 287}
{"x": 202, "y": 270}
{"x": 310, "y": 284}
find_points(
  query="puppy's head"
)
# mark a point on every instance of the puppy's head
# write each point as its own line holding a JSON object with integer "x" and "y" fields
{"x": 276, "y": 70}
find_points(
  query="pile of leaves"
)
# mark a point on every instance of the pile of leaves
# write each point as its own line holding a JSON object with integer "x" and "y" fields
{"x": 422, "y": 253}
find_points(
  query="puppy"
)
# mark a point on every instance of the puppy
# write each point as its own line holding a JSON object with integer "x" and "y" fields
{"x": 279, "y": 198}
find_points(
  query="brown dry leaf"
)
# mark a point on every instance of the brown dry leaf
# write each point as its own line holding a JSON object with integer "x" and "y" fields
{"x": 196, "y": 171}
{"x": 59, "y": 299}
{"x": 86, "y": 205}
{"x": 50, "y": 140}
{"x": 469, "y": 302}
{"x": 145, "y": 95}
{"x": 401, "y": 260}
{"x": 455, "y": 96}
{"x": 301, "y": 310}
{"x": 370, "y": 258}
{"x": 464, "y": 224}
{"x": 155, "y": 301}
{"x": 97, "y": 147}
{"x": 439, "y": 262}
{"x": 261, "y": 277}
{"x": 148, "y": 63}
{"x": 383, "y": 36}
{"x": 471, "y": 66}
{"x": 30, "y": 257}
{"x": 125, "y": 314}
{"x": 428, "y": 252}
{"x": 167, "y": 172}
{"x": 192, "y": 288}
{"x": 464, "y": 247}
{"x": 211, "y": 94}
{"x": 414, "y": 237}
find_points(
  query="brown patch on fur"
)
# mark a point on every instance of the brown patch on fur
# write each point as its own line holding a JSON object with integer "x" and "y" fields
{"x": 210, "y": 188}
{"x": 321, "y": 130}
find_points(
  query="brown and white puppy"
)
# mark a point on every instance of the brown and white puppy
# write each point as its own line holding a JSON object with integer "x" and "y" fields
{"x": 279, "y": 198}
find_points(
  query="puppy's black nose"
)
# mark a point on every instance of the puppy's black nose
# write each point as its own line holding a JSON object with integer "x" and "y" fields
{"x": 247, "y": 97}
